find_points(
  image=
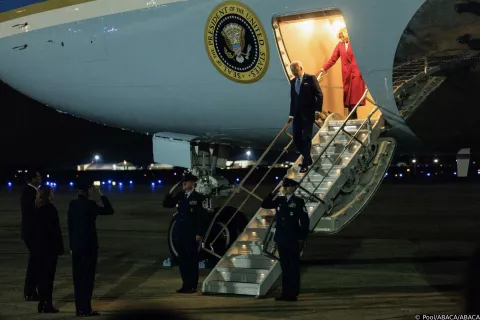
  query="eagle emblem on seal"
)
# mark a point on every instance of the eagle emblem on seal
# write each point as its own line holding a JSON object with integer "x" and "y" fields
{"x": 234, "y": 35}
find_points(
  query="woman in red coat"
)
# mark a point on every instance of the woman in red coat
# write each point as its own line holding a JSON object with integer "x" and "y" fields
{"x": 353, "y": 85}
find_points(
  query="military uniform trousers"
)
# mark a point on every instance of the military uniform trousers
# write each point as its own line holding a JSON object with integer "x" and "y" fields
{"x": 187, "y": 249}
{"x": 84, "y": 264}
{"x": 290, "y": 262}
{"x": 46, "y": 269}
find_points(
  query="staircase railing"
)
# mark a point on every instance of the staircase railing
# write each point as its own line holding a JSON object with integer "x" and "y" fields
{"x": 251, "y": 193}
{"x": 269, "y": 235}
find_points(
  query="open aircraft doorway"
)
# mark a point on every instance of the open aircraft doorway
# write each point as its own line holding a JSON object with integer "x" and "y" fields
{"x": 312, "y": 38}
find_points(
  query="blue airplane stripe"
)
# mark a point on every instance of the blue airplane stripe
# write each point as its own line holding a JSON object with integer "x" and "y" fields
{"x": 7, "y": 5}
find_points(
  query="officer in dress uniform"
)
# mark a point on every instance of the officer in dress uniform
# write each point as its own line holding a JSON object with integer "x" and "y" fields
{"x": 191, "y": 222}
{"x": 82, "y": 231}
{"x": 292, "y": 225}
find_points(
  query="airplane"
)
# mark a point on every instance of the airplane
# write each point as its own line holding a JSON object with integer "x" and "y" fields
{"x": 202, "y": 75}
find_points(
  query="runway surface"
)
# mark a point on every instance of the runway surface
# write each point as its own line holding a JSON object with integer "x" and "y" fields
{"x": 404, "y": 255}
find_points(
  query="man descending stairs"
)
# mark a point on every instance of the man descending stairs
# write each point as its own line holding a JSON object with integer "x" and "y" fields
{"x": 291, "y": 232}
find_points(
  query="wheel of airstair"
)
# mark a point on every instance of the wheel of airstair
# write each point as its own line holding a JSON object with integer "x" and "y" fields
{"x": 227, "y": 236}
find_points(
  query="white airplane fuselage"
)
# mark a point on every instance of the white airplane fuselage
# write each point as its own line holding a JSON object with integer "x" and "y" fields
{"x": 143, "y": 65}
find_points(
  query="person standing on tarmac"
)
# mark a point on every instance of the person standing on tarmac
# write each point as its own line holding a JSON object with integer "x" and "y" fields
{"x": 27, "y": 205}
{"x": 82, "y": 231}
{"x": 292, "y": 226}
{"x": 190, "y": 227}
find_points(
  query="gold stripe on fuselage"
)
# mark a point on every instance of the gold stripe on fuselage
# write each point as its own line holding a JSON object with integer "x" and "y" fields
{"x": 38, "y": 8}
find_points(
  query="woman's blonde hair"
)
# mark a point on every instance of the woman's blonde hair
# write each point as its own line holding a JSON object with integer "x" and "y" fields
{"x": 43, "y": 196}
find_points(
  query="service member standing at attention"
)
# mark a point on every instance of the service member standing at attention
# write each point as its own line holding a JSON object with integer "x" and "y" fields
{"x": 190, "y": 227}
{"x": 306, "y": 101}
{"x": 82, "y": 231}
{"x": 292, "y": 225}
{"x": 27, "y": 204}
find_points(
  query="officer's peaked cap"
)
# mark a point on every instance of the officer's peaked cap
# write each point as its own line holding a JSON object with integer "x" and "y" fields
{"x": 189, "y": 177}
{"x": 290, "y": 183}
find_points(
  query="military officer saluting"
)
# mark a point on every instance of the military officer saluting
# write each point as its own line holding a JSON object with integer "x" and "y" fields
{"x": 292, "y": 226}
{"x": 190, "y": 224}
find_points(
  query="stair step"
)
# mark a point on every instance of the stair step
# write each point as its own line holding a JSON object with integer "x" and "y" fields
{"x": 226, "y": 287}
{"x": 250, "y": 261}
{"x": 354, "y": 122}
{"x": 242, "y": 275}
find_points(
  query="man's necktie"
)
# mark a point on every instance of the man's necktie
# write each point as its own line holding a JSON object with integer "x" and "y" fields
{"x": 297, "y": 86}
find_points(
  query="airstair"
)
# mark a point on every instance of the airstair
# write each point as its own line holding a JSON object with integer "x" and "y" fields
{"x": 350, "y": 161}
{"x": 415, "y": 80}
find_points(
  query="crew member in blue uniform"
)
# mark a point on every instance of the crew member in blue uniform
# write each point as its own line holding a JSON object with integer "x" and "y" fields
{"x": 292, "y": 226}
{"x": 191, "y": 223}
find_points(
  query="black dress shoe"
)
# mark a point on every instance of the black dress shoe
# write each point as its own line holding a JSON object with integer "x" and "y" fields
{"x": 33, "y": 297}
{"x": 47, "y": 308}
{"x": 283, "y": 298}
{"x": 90, "y": 313}
{"x": 191, "y": 290}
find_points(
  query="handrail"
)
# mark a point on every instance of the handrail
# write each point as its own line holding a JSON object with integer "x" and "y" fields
{"x": 334, "y": 137}
{"x": 250, "y": 193}
{"x": 240, "y": 185}
{"x": 266, "y": 241}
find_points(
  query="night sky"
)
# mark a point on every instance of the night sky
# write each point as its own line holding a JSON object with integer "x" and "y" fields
{"x": 36, "y": 135}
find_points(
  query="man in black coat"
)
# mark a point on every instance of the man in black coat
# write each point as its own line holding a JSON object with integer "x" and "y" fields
{"x": 306, "y": 101}
{"x": 27, "y": 204}
{"x": 292, "y": 226}
{"x": 190, "y": 228}
{"x": 82, "y": 231}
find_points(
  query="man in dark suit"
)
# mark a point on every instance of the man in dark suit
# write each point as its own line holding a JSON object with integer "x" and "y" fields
{"x": 306, "y": 101}
{"x": 190, "y": 228}
{"x": 292, "y": 226}
{"x": 82, "y": 231}
{"x": 27, "y": 204}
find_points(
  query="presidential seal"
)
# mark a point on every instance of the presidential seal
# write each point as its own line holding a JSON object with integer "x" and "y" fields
{"x": 236, "y": 42}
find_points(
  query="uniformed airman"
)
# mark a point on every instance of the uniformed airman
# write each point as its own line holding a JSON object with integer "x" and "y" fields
{"x": 190, "y": 227}
{"x": 292, "y": 226}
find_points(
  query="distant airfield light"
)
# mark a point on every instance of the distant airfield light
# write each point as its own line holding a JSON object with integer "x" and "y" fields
{"x": 71, "y": 184}
{"x": 435, "y": 160}
{"x": 276, "y": 178}
{"x": 114, "y": 183}
{"x": 131, "y": 182}
{"x": 401, "y": 175}
{"x": 159, "y": 181}
{"x": 238, "y": 179}
{"x": 414, "y": 160}
{"x": 48, "y": 176}
{"x": 103, "y": 182}
{"x": 96, "y": 183}
{"x": 97, "y": 157}
{"x": 9, "y": 184}
{"x": 153, "y": 184}
{"x": 109, "y": 181}
{"x": 120, "y": 184}
{"x": 248, "y": 153}
{"x": 454, "y": 173}
{"x": 408, "y": 170}
{"x": 428, "y": 174}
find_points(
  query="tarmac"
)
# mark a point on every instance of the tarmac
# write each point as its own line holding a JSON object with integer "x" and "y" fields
{"x": 404, "y": 255}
